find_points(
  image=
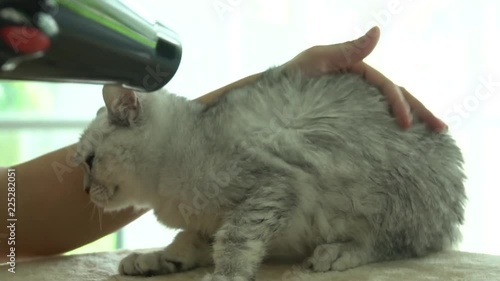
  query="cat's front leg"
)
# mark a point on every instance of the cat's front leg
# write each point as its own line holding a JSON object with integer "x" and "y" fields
{"x": 189, "y": 250}
{"x": 241, "y": 242}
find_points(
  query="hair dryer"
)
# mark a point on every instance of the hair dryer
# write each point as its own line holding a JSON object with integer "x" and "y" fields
{"x": 91, "y": 41}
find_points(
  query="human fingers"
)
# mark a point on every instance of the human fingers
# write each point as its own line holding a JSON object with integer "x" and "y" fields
{"x": 423, "y": 113}
{"x": 399, "y": 106}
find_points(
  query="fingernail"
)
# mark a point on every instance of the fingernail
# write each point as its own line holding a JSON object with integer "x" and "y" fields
{"x": 408, "y": 109}
{"x": 404, "y": 123}
{"x": 442, "y": 128}
{"x": 408, "y": 112}
{"x": 371, "y": 31}
{"x": 443, "y": 125}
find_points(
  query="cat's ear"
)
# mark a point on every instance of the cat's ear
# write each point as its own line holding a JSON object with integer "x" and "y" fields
{"x": 122, "y": 104}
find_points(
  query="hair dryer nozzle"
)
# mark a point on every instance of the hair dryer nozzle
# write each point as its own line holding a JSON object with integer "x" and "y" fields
{"x": 90, "y": 41}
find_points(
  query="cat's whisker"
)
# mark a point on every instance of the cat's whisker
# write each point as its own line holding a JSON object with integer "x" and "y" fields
{"x": 100, "y": 217}
{"x": 93, "y": 211}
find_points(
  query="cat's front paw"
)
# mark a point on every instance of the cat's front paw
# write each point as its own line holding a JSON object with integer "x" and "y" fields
{"x": 148, "y": 264}
{"x": 218, "y": 277}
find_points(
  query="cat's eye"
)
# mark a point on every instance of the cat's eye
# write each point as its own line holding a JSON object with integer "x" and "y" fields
{"x": 89, "y": 160}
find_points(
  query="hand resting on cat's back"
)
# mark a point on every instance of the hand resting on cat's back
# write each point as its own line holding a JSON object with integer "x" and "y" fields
{"x": 315, "y": 170}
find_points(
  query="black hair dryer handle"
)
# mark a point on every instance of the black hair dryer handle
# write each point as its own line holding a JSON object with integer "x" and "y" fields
{"x": 91, "y": 41}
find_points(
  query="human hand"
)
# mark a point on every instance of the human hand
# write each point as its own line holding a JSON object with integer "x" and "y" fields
{"x": 348, "y": 57}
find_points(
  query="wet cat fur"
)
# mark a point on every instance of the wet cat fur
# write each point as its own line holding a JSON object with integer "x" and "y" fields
{"x": 285, "y": 167}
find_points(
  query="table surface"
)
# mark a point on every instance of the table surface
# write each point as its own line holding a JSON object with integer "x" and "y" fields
{"x": 446, "y": 266}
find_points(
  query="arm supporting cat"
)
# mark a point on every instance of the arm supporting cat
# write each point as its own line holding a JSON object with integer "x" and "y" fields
{"x": 52, "y": 210}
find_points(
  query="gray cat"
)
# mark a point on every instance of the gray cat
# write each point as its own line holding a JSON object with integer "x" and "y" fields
{"x": 286, "y": 167}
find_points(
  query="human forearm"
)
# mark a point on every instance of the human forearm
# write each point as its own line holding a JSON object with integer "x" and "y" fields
{"x": 54, "y": 214}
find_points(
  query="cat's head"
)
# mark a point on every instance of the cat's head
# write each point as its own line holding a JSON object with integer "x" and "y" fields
{"x": 111, "y": 148}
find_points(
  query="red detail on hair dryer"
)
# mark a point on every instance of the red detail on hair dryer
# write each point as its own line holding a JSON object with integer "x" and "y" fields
{"x": 25, "y": 39}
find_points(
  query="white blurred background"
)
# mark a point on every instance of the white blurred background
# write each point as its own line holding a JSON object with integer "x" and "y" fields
{"x": 444, "y": 52}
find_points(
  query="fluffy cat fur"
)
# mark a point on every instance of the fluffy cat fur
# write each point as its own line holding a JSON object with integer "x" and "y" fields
{"x": 286, "y": 167}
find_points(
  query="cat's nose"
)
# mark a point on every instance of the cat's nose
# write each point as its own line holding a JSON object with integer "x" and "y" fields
{"x": 87, "y": 189}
